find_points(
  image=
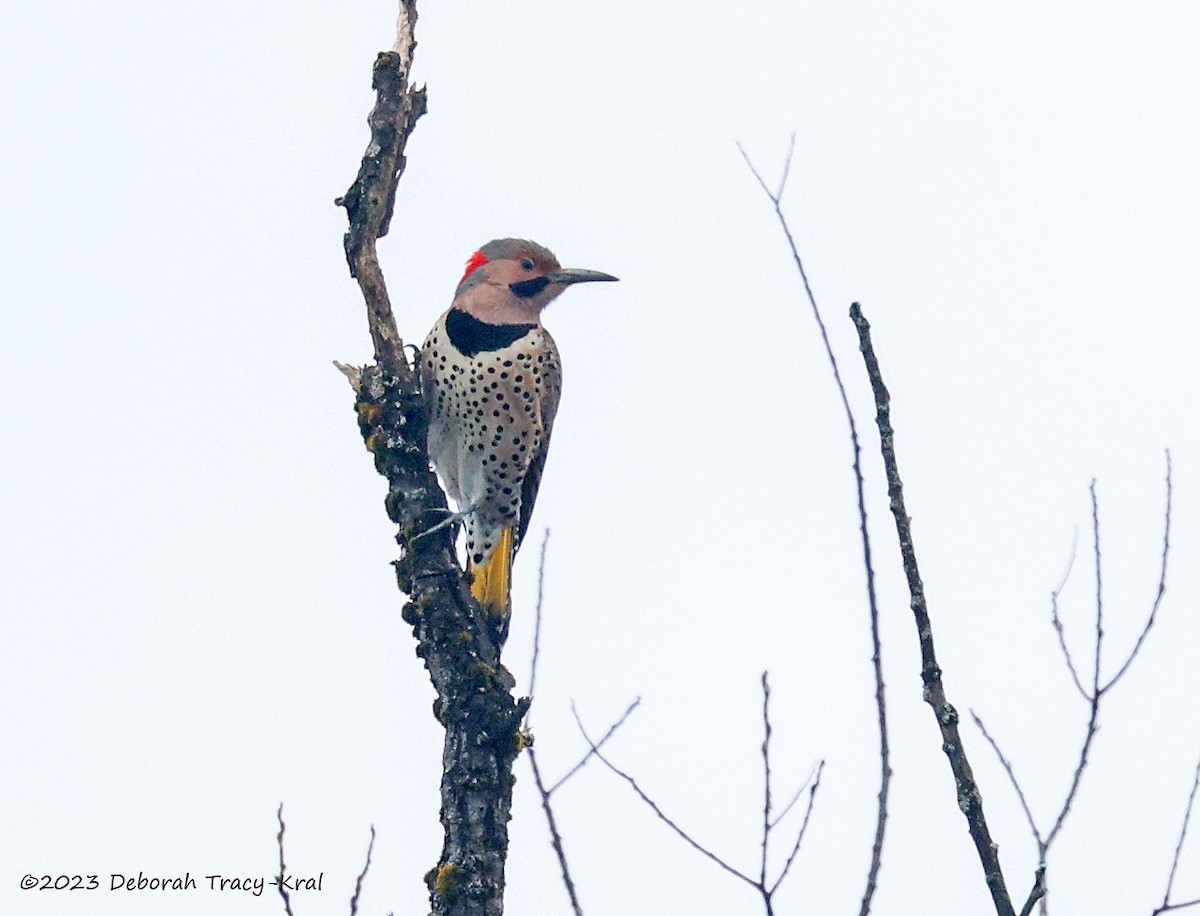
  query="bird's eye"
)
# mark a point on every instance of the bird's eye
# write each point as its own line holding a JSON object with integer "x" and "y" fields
{"x": 527, "y": 263}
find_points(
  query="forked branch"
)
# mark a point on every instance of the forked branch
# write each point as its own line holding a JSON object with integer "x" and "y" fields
{"x": 547, "y": 793}
{"x": 765, "y": 886}
{"x": 885, "y": 775}
{"x": 1094, "y": 694}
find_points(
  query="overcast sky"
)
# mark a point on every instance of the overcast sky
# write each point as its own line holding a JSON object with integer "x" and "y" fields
{"x": 199, "y": 618}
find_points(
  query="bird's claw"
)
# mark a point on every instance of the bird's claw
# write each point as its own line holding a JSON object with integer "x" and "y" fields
{"x": 452, "y": 518}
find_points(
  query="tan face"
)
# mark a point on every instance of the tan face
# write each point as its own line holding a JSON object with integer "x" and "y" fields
{"x": 510, "y": 290}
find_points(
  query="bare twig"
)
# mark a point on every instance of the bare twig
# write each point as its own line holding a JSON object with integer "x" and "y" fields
{"x": 546, "y": 793}
{"x": 1012, "y": 777}
{"x": 282, "y": 884}
{"x": 1175, "y": 906}
{"x": 1162, "y": 588}
{"x": 812, "y": 798}
{"x": 1057, "y": 623}
{"x": 766, "y": 888}
{"x": 548, "y": 809}
{"x": 970, "y": 800}
{"x": 1187, "y": 816}
{"x": 537, "y": 620}
{"x": 358, "y": 884}
{"x": 1099, "y": 591}
{"x": 679, "y": 831}
{"x": 555, "y": 836}
{"x": 799, "y": 792}
{"x": 1099, "y": 689}
{"x": 877, "y": 651}
{"x": 766, "y": 756}
{"x": 1037, "y": 892}
{"x": 599, "y": 744}
{"x": 1077, "y": 777}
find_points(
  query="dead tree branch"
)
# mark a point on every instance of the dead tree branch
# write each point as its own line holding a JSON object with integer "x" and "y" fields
{"x": 545, "y": 792}
{"x": 612, "y": 729}
{"x": 474, "y": 701}
{"x": 372, "y": 198}
{"x": 970, "y": 800}
{"x": 766, "y": 889}
{"x": 548, "y": 809}
{"x": 280, "y": 880}
{"x": 1175, "y": 906}
{"x": 885, "y": 775}
{"x": 1158, "y": 595}
{"x": 358, "y": 884}
{"x": 1057, "y": 623}
{"x": 281, "y": 884}
{"x": 1093, "y": 696}
{"x": 555, "y": 836}
{"x": 1187, "y": 816}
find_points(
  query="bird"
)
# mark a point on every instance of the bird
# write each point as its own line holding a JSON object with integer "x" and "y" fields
{"x": 491, "y": 379}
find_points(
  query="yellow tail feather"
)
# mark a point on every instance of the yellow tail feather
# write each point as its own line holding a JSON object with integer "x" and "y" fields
{"x": 494, "y": 578}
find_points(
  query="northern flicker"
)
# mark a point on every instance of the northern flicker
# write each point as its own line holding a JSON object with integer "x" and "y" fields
{"x": 491, "y": 379}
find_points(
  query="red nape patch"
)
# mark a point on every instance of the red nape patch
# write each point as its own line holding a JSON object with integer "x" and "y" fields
{"x": 478, "y": 259}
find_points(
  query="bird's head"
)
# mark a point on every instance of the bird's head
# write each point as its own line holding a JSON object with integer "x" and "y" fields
{"x": 510, "y": 281}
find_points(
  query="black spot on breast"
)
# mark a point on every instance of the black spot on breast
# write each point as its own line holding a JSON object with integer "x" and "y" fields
{"x": 472, "y": 336}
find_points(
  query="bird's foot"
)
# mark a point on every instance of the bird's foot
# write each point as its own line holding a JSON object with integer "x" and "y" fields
{"x": 452, "y": 518}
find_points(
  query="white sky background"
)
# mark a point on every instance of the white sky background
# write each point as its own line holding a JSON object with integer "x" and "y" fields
{"x": 199, "y": 619}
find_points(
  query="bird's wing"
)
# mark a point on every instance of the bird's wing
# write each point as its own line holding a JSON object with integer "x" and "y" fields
{"x": 533, "y": 475}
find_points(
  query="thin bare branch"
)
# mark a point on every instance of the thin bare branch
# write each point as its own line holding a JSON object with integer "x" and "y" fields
{"x": 1099, "y": 591}
{"x": 1093, "y": 697}
{"x": 774, "y": 198}
{"x": 787, "y": 166}
{"x": 282, "y": 884}
{"x": 1092, "y": 728}
{"x": 885, "y": 767}
{"x": 766, "y": 756}
{"x": 1056, "y": 621}
{"x": 1012, "y": 778}
{"x": 1175, "y": 906}
{"x": 970, "y": 800}
{"x": 1099, "y": 690}
{"x": 599, "y": 744}
{"x": 765, "y": 889}
{"x": 877, "y": 651}
{"x": 1187, "y": 816}
{"x": 799, "y": 792}
{"x": 812, "y": 300}
{"x": 537, "y": 621}
{"x": 1162, "y": 588}
{"x": 812, "y": 797}
{"x": 1037, "y": 892}
{"x": 679, "y": 831}
{"x": 555, "y": 836}
{"x": 362, "y": 875}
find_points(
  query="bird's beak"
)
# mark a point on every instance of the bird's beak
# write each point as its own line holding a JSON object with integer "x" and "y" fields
{"x": 577, "y": 275}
